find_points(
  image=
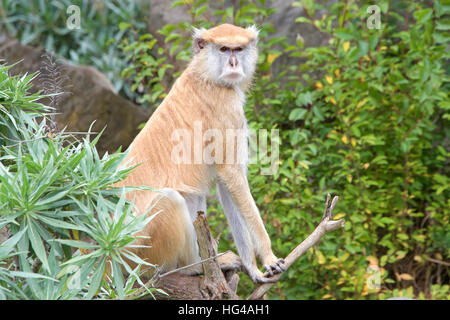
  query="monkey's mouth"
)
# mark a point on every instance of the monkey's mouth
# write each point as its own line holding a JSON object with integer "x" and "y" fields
{"x": 233, "y": 76}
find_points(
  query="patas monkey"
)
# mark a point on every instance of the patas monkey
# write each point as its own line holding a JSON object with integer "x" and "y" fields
{"x": 211, "y": 91}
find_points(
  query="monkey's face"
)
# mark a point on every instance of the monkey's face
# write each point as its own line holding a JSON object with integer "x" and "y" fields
{"x": 228, "y": 54}
{"x": 231, "y": 64}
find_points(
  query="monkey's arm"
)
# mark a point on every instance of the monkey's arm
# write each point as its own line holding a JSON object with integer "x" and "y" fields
{"x": 247, "y": 226}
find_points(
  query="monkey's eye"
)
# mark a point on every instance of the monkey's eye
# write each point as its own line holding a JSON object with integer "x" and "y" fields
{"x": 238, "y": 49}
{"x": 224, "y": 49}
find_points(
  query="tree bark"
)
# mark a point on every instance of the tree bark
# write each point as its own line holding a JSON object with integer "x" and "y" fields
{"x": 211, "y": 286}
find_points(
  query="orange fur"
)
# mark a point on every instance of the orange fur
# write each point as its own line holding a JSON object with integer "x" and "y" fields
{"x": 152, "y": 148}
{"x": 228, "y": 34}
{"x": 192, "y": 98}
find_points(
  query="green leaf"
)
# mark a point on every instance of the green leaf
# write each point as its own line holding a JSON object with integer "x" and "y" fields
{"x": 124, "y": 25}
{"x": 304, "y": 99}
{"x": 37, "y": 243}
{"x": 423, "y": 15}
{"x": 22, "y": 274}
{"x": 77, "y": 244}
{"x": 59, "y": 223}
{"x": 303, "y": 20}
{"x": 297, "y": 114}
{"x": 344, "y": 35}
{"x": 117, "y": 277}
{"x": 96, "y": 279}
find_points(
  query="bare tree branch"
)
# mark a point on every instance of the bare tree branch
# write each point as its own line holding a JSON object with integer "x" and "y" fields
{"x": 190, "y": 265}
{"x": 325, "y": 226}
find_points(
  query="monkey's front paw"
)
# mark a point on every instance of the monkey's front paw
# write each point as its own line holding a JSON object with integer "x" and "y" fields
{"x": 274, "y": 268}
{"x": 258, "y": 277}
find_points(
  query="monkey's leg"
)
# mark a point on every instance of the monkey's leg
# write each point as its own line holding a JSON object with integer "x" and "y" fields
{"x": 170, "y": 235}
{"x": 194, "y": 203}
{"x": 229, "y": 261}
{"x": 240, "y": 233}
{"x": 241, "y": 226}
{"x": 172, "y": 238}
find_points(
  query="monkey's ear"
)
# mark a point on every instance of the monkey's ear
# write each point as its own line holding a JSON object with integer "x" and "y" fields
{"x": 198, "y": 43}
{"x": 255, "y": 31}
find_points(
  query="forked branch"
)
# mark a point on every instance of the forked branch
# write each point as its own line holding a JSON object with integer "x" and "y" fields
{"x": 325, "y": 226}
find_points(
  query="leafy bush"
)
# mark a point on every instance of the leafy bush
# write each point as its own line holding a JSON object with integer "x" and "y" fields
{"x": 65, "y": 222}
{"x": 374, "y": 126}
{"x": 365, "y": 117}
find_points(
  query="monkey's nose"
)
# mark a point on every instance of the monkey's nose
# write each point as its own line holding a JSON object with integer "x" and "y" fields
{"x": 233, "y": 62}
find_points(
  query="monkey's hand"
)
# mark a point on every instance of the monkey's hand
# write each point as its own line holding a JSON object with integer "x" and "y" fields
{"x": 273, "y": 266}
{"x": 258, "y": 277}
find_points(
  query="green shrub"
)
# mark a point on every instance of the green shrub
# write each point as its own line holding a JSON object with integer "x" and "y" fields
{"x": 56, "y": 201}
{"x": 374, "y": 131}
{"x": 369, "y": 124}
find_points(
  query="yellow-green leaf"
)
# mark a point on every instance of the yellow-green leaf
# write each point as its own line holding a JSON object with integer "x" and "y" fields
{"x": 271, "y": 57}
{"x": 320, "y": 257}
{"x": 346, "y": 46}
